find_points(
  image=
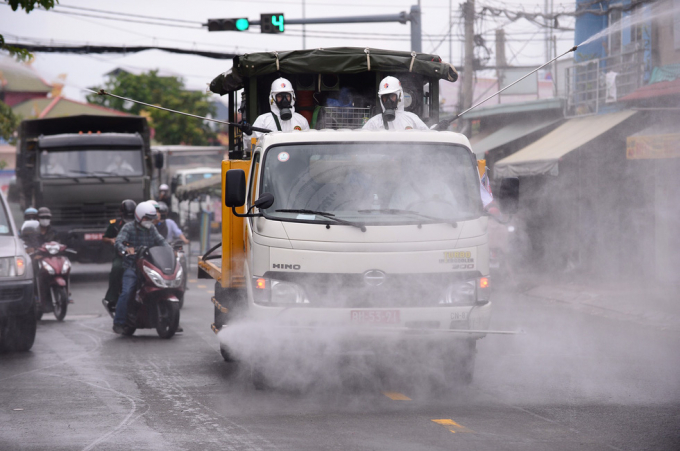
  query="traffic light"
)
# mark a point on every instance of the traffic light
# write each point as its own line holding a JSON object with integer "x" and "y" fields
{"x": 271, "y": 23}
{"x": 238, "y": 24}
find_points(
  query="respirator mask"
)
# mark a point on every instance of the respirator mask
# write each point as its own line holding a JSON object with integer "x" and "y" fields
{"x": 146, "y": 224}
{"x": 390, "y": 102}
{"x": 44, "y": 222}
{"x": 283, "y": 101}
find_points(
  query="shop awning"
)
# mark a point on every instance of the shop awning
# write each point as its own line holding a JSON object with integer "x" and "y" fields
{"x": 655, "y": 142}
{"x": 510, "y": 133}
{"x": 212, "y": 186}
{"x": 542, "y": 156}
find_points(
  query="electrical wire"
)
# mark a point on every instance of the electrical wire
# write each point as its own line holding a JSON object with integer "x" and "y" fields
{"x": 60, "y": 5}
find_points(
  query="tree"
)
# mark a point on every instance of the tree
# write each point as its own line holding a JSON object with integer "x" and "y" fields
{"x": 28, "y": 6}
{"x": 8, "y": 122}
{"x": 169, "y": 92}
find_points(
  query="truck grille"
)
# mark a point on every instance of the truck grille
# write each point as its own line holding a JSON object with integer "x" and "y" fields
{"x": 11, "y": 294}
{"x": 352, "y": 291}
{"x": 90, "y": 214}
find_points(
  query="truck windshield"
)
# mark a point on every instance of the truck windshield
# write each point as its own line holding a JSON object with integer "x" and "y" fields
{"x": 91, "y": 162}
{"x": 196, "y": 177}
{"x": 372, "y": 183}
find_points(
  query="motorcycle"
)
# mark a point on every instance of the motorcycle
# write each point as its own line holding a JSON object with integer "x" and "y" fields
{"x": 52, "y": 279}
{"x": 159, "y": 289}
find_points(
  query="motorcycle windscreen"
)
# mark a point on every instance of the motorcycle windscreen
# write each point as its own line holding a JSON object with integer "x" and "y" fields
{"x": 162, "y": 257}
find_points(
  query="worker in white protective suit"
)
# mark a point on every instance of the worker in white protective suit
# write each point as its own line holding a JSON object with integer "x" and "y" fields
{"x": 393, "y": 116}
{"x": 282, "y": 116}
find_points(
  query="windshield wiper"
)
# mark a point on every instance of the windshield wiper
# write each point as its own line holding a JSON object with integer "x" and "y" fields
{"x": 113, "y": 174}
{"x": 326, "y": 215}
{"x": 396, "y": 211}
{"x": 86, "y": 173}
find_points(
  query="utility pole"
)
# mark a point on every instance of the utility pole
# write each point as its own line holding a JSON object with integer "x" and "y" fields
{"x": 500, "y": 58}
{"x": 416, "y": 29}
{"x": 450, "y": 31}
{"x": 468, "y": 69}
{"x": 304, "y": 34}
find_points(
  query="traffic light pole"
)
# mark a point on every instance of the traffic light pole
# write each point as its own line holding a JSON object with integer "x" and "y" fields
{"x": 402, "y": 17}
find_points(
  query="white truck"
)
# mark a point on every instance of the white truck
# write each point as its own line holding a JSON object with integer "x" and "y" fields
{"x": 381, "y": 235}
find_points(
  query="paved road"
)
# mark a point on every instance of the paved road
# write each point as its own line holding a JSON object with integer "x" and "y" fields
{"x": 571, "y": 381}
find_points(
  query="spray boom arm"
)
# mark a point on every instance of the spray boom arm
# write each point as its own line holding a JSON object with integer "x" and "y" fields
{"x": 443, "y": 125}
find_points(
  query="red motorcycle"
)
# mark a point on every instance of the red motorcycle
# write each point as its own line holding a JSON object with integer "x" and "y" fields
{"x": 52, "y": 279}
{"x": 159, "y": 289}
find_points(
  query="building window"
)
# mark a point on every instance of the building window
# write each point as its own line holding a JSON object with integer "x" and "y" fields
{"x": 615, "y": 36}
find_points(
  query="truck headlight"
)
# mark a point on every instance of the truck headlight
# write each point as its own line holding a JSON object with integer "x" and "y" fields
{"x": 278, "y": 292}
{"x": 12, "y": 266}
{"x": 467, "y": 292}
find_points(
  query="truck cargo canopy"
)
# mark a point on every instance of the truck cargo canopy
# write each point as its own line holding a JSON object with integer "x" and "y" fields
{"x": 348, "y": 60}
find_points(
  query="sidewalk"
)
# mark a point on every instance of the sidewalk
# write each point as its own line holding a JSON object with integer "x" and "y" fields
{"x": 658, "y": 307}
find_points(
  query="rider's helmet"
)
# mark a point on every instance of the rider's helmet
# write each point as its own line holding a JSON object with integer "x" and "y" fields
{"x": 44, "y": 216}
{"x": 163, "y": 187}
{"x": 282, "y": 97}
{"x": 154, "y": 203}
{"x": 388, "y": 86}
{"x": 163, "y": 209}
{"x": 30, "y": 214}
{"x": 145, "y": 213}
{"x": 127, "y": 210}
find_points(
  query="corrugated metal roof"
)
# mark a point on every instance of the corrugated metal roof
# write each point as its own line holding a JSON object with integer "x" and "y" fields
{"x": 542, "y": 155}
{"x": 511, "y": 132}
{"x": 514, "y": 108}
{"x": 16, "y": 77}
{"x": 60, "y": 107}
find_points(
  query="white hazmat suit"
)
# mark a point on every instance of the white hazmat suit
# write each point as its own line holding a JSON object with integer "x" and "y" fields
{"x": 267, "y": 120}
{"x": 403, "y": 120}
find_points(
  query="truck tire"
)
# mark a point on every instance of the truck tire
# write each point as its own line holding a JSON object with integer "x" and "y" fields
{"x": 460, "y": 367}
{"x": 231, "y": 299}
{"x": 19, "y": 333}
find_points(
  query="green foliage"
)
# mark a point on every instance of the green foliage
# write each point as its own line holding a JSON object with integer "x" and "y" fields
{"x": 28, "y": 5}
{"x": 9, "y": 122}
{"x": 168, "y": 92}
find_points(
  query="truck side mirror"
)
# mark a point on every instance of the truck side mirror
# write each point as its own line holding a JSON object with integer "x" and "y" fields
{"x": 158, "y": 161}
{"x": 235, "y": 188}
{"x": 508, "y": 195}
{"x": 13, "y": 192}
{"x": 265, "y": 201}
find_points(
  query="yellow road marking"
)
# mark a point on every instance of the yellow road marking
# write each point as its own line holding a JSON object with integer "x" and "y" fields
{"x": 202, "y": 286}
{"x": 193, "y": 280}
{"x": 452, "y": 425}
{"x": 209, "y": 291}
{"x": 394, "y": 396}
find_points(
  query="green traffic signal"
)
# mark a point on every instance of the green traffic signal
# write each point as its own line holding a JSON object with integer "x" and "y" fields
{"x": 242, "y": 24}
{"x": 277, "y": 21}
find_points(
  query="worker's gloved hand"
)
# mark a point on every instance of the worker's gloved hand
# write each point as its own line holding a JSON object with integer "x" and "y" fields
{"x": 246, "y": 128}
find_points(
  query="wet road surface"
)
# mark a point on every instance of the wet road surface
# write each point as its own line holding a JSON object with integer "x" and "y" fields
{"x": 570, "y": 381}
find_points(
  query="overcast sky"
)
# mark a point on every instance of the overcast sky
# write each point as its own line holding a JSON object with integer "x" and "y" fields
{"x": 525, "y": 40}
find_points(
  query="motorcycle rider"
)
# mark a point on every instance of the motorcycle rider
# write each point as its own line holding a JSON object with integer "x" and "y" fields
{"x": 164, "y": 195}
{"x": 134, "y": 234}
{"x": 127, "y": 214}
{"x": 282, "y": 116}
{"x": 393, "y": 117}
{"x": 47, "y": 233}
{"x": 167, "y": 227}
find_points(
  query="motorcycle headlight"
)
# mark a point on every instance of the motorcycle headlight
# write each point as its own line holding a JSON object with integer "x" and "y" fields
{"x": 47, "y": 267}
{"x": 156, "y": 278}
{"x": 66, "y": 267}
{"x": 278, "y": 292}
{"x": 178, "y": 279}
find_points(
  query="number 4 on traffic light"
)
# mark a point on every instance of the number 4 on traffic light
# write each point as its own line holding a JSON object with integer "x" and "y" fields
{"x": 272, "y": 23}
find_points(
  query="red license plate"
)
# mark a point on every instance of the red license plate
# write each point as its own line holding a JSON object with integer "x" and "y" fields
{"x": 94, "y": 236}
{"x": 375, "y": 316}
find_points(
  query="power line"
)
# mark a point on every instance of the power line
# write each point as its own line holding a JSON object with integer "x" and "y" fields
{"x": 120, "y": 19}
{"x": 127, "y": 14}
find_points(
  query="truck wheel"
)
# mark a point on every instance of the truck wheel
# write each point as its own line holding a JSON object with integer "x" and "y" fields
{"x": 258, "y": 378}
{"x": 168, "y": 319}
{"x": 461, "y": 365}
{"x": 19, "y": 333}
{"x": 231, "y": 299}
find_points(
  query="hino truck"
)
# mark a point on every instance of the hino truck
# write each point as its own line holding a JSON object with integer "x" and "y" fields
{"x": 380, "y": 234}
{"x": 81, "y": 168}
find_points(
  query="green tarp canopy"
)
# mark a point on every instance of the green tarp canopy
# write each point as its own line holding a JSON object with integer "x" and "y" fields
{"x": 346, "y": 60}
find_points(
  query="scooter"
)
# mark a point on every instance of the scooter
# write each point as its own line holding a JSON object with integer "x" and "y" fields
{"x": 52, "y": 279}
{"x": 159, "y": 289}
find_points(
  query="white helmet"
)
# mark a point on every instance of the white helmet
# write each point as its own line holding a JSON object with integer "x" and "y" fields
{"x": 281, "y": 85}
{"x": 389, "y": 85}
{"x": 145, "y": 210}
{"x": 164, "y": 187}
